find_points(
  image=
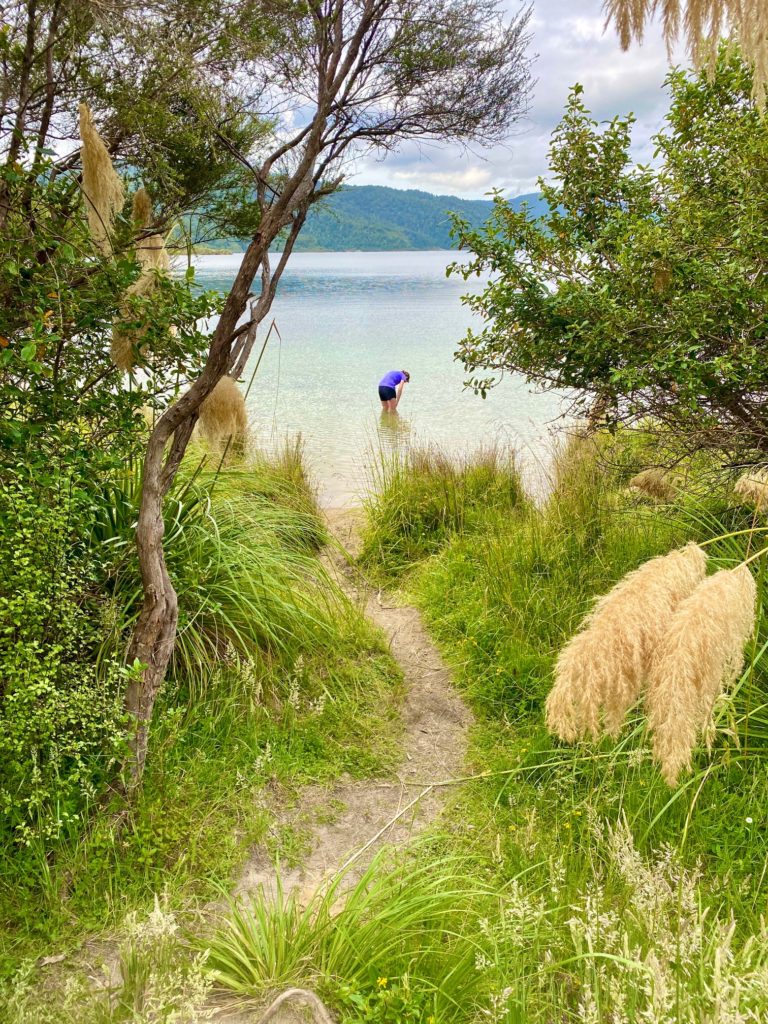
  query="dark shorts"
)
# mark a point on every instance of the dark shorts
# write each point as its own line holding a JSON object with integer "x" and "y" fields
{"x": 386, "y": 394}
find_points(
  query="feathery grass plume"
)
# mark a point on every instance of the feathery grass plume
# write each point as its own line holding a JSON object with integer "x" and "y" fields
{"x": 655, "y": 483}
{"x": 222, "y": 414}
{"x": 703, "y": 22}
{"x": 141, "y": 211}
{"x": 153, "y": 257}
{"x": 753, "y": 487}
{"x": 602, "y": 670}
{"x": 124, "y": 337}
{"x": 702, "y": 652}
{"x": 150, "y": 249}
{"x": 102, "y": 186}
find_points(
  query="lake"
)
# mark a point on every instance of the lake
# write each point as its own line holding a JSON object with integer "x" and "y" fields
{"x": 346, "y": 318}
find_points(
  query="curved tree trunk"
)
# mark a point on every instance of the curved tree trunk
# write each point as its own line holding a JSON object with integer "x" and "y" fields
{"x": 152, "y": 642}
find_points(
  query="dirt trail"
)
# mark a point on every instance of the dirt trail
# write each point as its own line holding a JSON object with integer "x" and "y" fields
{"x": 368, "y": 814}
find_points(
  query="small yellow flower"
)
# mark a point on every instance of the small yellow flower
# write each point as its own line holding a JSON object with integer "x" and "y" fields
{"x": 382, "y": 982}
{"x": 566, "y": 824}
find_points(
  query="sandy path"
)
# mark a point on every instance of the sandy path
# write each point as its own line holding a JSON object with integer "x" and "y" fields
{"x": 364, "y": 815}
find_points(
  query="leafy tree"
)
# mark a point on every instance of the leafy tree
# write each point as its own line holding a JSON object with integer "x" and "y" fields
{"x": 643, "y": 285}
{"x": 246, "y": 112}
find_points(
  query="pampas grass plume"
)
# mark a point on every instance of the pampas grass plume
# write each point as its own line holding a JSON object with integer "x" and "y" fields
{"x": 141, "y": 213}
{"x": 655, "y": 483}
{"x": 123, "y": 337}
{"x": 222, "y": 414}
{"x": 601, "y": 672}
{"x": 753, "y": 487}
{"x": 701, "y": 653}
{"x": 152, "y": 256}
{"x": 102, "y": 185}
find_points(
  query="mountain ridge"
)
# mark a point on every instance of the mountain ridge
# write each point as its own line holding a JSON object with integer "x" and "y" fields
{"x": 376, "y": 217}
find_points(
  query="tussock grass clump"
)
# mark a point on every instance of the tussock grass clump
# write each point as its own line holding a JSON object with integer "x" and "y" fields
{"x": 602, "y": 670}
{"x": 102, "y": 186}
{"x": 752, "y": 486}
{"x": 701, "y": 652}
{"x": 423, "y": 497}
{"x": 654, "y": 483}
{"x": 223, "y": 414}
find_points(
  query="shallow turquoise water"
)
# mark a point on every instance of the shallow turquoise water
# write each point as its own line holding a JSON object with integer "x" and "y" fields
{"x": 344, "y": 320}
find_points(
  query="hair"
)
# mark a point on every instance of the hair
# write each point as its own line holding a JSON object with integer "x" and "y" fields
{"x": 753, "y": 487}
{"x": 407, "y": 375}
{"x": 701, "y": 652}
{"x": 102, "y": 186}
{"x": 655, "y": 483}
{"x": 223, "y": 414}
{"x": 601, "y": 672}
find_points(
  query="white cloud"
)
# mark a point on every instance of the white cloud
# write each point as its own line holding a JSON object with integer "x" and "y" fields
{"x": 572, "y": 46}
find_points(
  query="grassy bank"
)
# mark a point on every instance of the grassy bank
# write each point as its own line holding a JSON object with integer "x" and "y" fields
{"x": 277, "y": 681}
{"x": 616, "y": 898}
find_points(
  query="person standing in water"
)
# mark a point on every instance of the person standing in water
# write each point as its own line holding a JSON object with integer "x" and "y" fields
{"x": 391, "y": 388}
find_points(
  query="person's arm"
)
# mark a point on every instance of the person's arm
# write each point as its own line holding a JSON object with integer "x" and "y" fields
{"x": 399, "y": 391}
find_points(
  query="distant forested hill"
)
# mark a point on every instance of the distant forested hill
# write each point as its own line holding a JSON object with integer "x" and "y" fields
{"x": 371, "y": 217}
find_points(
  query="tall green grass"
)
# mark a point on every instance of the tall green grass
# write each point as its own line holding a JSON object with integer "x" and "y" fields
{"x": 277, "y": 681}
{"x": 422, "y": 498}
{"x": 502, "y": 591}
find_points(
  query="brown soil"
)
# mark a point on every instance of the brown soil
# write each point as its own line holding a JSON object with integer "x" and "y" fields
{"x": 357, "y": 818}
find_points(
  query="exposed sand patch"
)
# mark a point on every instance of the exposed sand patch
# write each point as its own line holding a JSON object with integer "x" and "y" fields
{"x": 358, "y": 817}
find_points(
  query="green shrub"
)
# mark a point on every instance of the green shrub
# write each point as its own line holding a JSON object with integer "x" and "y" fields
{"x": 60, "y": 713}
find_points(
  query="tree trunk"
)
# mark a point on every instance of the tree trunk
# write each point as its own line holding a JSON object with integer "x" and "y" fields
{"x": 154, "y": 634}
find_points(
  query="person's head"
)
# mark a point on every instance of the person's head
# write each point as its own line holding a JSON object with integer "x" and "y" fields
{"x": 406, "y": 375}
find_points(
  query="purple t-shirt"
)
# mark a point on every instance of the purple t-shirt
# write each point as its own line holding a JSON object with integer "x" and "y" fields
{"x": 391, "y": 379}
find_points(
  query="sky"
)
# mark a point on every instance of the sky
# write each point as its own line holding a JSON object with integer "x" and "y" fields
{"x": 569, "y": 45}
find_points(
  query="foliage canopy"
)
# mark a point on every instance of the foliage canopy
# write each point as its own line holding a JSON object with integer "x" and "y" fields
{"x": 643, "y": 285}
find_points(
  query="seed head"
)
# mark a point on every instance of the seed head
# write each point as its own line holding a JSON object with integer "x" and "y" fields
{"x": 601, "y": 672}
{"x": 102, "y": 186}
{"x": 701, "y": 652}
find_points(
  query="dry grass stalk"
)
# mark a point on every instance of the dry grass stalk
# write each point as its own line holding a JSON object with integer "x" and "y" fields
{"x": 753, "y": 487}
{"x": 601, "y": 672}
{"x": 223, "y": 414}
{"x": 655, "y": 483}
{"x": 701, "y": 653}
{"x": 102, "y": 185}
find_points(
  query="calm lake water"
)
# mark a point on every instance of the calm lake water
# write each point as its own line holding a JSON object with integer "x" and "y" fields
{"x": 344, "y": 320}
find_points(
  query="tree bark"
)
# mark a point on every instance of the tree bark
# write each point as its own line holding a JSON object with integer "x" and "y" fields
{"x": 152, "y": 642}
